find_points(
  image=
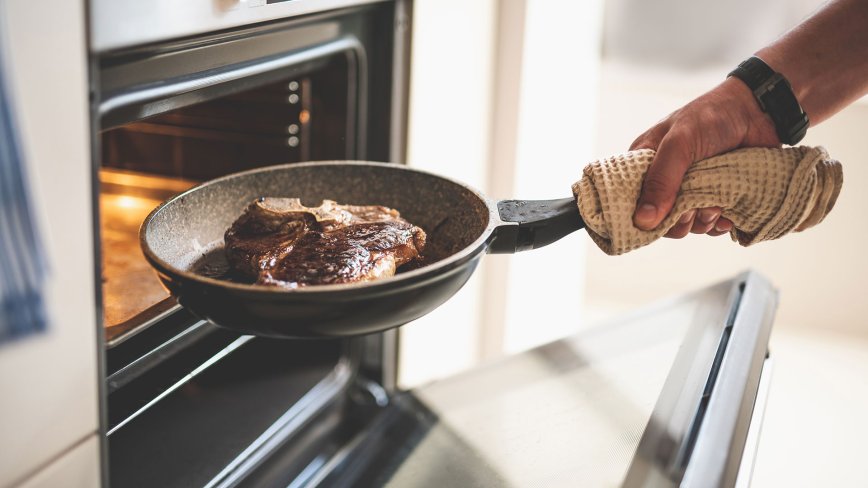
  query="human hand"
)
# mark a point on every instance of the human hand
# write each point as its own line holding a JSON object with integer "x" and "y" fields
{"x": 723, "y": 119}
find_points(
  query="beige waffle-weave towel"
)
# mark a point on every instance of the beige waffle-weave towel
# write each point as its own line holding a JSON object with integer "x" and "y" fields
{"x": 765, "y": 192}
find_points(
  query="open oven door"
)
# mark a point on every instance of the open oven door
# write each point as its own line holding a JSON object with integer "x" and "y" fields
{"x": 671, "y": 395}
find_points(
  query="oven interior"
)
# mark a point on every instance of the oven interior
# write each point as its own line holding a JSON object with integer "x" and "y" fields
{"x": 188, "y": 403}
{"x": 302, "y": 118}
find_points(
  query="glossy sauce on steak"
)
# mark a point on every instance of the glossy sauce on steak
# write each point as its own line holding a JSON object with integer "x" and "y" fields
{"x": 280, "y": 242}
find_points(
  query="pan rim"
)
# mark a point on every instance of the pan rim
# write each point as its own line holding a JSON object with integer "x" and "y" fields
{"x": 479, "y": 245}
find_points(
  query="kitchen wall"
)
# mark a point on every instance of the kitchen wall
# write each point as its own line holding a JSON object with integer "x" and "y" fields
{"x": 449, "y": 125}
{"x": 501, "y": 97}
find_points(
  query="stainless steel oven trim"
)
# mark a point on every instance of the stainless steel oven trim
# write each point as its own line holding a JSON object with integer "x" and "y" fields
{"x": 156, "y": 313}
{"x": 662, "y": 449}
{"x": 696, "y": 433}
{"x": 101, "y": 342}
{"x": 400, "y": 80}
{"x": 357, "y": 98}
{"x": 151, "y": 100}
{"x": 720, "y": 445}
{"x": 118, "y": 24}
{"x": 144, "y": 363}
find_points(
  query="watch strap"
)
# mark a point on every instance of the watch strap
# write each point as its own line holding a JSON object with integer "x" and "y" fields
{"x": 775, "y": 97}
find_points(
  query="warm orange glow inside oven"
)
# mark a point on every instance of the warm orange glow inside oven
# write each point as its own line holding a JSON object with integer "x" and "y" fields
{"x": 148, "y": 161}
{"x": 131, "y": 289}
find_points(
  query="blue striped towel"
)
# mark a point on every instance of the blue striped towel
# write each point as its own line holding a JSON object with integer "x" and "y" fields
{"x": 22, "y": 261}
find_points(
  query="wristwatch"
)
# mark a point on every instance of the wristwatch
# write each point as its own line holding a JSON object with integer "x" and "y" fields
{"x": 775, "y": 97}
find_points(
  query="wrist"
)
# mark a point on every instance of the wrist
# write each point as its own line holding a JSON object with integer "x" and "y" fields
{"x": 774, "y": 95}
{"x": 752, "y": 118}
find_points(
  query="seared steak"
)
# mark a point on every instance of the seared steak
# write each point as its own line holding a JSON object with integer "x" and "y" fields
{"x": 280, "y": 242}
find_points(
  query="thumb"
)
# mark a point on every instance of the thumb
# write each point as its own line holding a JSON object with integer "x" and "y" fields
{"x": 662, "y": 181}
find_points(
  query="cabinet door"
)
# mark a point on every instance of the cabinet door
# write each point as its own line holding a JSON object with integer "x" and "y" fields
{"x": 74, "y": 469}
{"x": 48, "y": 381}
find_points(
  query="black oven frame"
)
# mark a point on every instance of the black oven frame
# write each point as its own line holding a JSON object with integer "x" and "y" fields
{"x": 134, "y": 83}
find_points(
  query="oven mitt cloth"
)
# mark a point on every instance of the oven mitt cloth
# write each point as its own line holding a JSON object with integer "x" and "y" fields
{"x": 765, "y": 192}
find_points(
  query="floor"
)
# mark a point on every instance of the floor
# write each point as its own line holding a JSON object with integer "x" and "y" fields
{"x": 816, "y": 420}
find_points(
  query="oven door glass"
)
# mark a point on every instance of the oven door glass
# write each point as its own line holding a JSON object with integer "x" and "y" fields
{"x": 630, "y": 402}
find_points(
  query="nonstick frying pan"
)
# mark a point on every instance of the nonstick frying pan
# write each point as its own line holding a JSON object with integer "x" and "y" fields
{"x": 183, "y": 240}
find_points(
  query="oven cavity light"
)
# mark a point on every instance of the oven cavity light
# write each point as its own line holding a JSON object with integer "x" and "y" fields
{"x": 127, "y": 202}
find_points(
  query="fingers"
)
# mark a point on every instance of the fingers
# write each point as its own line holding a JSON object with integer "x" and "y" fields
{"x": 700, "y": 221}
{"x": 682, "y": 228}
{"x": 705, "y": 220}
{"x": 651, "y": 138}
{"x": 663, "y": 179}
{"x": 723, "y": 226}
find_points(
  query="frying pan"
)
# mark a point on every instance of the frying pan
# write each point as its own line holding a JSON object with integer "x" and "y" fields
{"x": 183, "y": 240}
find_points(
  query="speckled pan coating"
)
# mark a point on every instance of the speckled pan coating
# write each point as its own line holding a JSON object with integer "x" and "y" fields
{"x": 459, "y": 222}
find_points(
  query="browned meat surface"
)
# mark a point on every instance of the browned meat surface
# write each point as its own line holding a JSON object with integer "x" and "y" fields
{"x": 280, "y": 242}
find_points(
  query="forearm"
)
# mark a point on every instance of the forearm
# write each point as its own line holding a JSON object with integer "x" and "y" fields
{"x": 825, "y": 58}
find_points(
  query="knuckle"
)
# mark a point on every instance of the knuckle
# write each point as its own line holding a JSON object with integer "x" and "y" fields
{"x": 644, "y": 141}
{"x": 707, "y": 217}
{"x": 708, "y": 214}
{"x": 658, "y": 186}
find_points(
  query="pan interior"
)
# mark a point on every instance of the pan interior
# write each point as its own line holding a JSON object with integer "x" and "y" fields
{"x": 190, "y": 229}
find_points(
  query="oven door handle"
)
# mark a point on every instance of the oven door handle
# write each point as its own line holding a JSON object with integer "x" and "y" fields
{"x": 144, "y": 101}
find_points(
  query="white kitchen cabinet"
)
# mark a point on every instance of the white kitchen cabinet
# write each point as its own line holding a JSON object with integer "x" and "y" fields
{"x": 74, "y": 469}
{"x": 48, "y": 381}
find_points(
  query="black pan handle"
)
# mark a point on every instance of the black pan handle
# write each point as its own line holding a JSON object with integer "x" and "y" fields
{"x": 531, "y": 224}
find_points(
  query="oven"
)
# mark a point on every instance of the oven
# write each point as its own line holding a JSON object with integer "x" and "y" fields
{"x": 182, "y": 93}
{"x": 243, "y": 85}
